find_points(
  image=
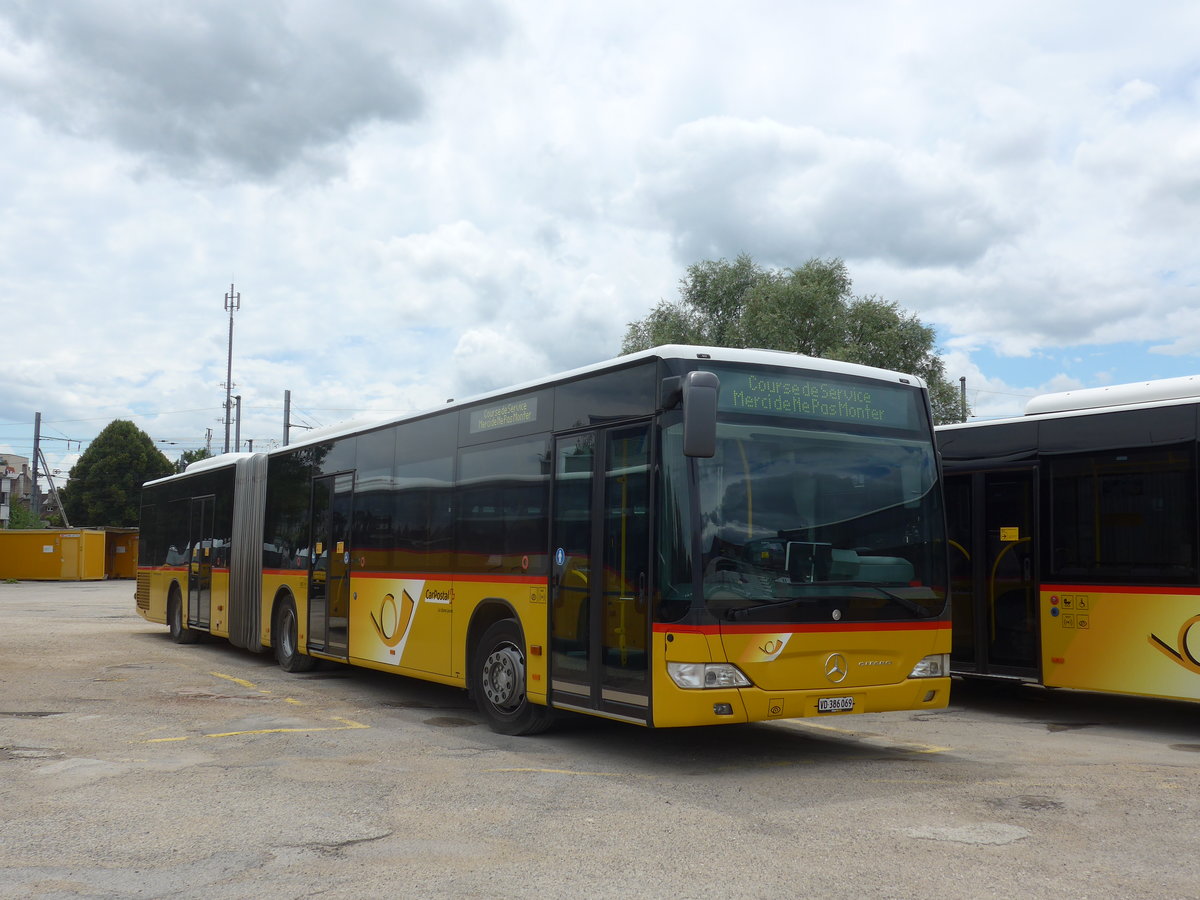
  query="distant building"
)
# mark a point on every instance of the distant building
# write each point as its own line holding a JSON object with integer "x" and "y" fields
{"x": 16, "y": 484}
{"x": 48, "y": 506}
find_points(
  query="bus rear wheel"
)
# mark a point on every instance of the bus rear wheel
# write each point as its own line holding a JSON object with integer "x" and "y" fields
{"x": 498, "y": 680}
{"x": 180, "y": 633}
{"x": 285, "y": 637}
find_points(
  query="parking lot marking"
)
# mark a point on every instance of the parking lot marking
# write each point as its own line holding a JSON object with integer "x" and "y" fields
{"x": 240, "y": 681}
{"x": 250, "y": 684}
{"x": 346, "y": 725}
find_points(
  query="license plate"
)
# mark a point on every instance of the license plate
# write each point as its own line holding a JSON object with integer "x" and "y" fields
{"x": 835, "y": 704}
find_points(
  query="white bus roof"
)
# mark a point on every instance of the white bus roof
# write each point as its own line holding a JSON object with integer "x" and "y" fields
{"x": 1090, "y": 401}
{"x": 209, "y": 462}
{"x": 667, "y": 351}
{"x": 1184, "y": 388}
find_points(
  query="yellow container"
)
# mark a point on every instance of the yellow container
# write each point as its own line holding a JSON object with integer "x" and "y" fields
{"x": 55, "y": 554}
{"x": 121, "y": 552}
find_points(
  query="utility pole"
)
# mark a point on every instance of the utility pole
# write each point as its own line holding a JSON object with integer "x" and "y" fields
{"x": 237, "y": 434}
{"x": 62, "y": 511}
{"x": 287, "y": 416}
{"x": 233, "y": 302}
{"x": 208, "y": 441}
{"x": 962, "y": 387}
{"x": 35, "y": 501}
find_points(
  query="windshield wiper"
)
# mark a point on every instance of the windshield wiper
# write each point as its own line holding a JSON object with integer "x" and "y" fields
{"x": 911, "y": 605}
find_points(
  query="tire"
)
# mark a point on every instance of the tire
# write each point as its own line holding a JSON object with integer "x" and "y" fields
{"x": 285, "y": 638}
{"x": 498, "y": 680}
{"x": 180, "y": 633}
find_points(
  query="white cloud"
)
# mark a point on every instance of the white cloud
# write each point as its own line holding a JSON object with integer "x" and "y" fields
{"x": 725, "y": 186}
{"x": 232, "y": 90}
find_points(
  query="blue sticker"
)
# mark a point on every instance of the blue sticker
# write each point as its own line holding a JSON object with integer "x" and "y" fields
{"x": 560, "y": 556}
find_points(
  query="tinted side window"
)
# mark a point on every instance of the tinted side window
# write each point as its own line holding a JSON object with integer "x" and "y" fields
{"x": 175, "y": 533}
{"x": 149, "y": 539}
{"x": 374, "y": 521}
{"x": 608, "y": 397}
{"x": 222, "y": 535}
{"x": 285, "y": 532}
{"x": 1007, "y": 442}
{"x": 432, "y": 438}
{"x": 1127, "y": 428}
{"x": 338, "y": 456}
{"x": 503, "y": 494}
{"x": 1124, "y": 517}
{"x": 422, "y": 491}
{"x": 421, "y": 502}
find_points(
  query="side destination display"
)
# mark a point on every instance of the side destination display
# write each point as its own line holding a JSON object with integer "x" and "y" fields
{"x": 513, "y": 412}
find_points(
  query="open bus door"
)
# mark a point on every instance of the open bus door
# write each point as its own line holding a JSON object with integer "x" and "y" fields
{"x": 331, "y": 514}
{"x": 600, "y": 546}
{"x": 200, "y": 565}
{"x": 992, "y": 521}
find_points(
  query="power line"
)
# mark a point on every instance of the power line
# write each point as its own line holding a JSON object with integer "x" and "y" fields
{"x": 110, "y": 418}
{"x": 209, "y": 409}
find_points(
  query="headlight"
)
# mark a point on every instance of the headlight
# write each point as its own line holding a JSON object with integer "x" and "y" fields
{"x": 936, "y": 666}
{"x": 707, "y": 675}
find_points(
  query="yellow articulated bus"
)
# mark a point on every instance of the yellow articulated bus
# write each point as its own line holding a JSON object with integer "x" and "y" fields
{"x": 1073, "y": 535}
{"x": 682, "y": 536}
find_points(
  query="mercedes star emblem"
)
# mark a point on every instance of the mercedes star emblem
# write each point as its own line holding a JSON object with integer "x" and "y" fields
{"x": 835, "y": 668}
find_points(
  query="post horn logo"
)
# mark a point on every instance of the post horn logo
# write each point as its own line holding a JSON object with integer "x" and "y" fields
{"x": 392, "y": 623}
{"x": 1183, "y": 655}
{"x": 771, "y": 648}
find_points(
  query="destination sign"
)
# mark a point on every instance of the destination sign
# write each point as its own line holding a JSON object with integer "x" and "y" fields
{"x": 514, "y": 412}
{"x": 818, "y": 398}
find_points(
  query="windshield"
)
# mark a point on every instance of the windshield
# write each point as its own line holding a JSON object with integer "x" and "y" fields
{"x": 803, "y": 525}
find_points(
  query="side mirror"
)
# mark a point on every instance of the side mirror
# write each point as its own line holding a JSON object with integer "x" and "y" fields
{"x": 700, "y": 392}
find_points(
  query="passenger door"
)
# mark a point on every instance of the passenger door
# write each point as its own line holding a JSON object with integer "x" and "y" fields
{"x": 600, "y": 547}
{"x": 329, "y": 565}
{"x": 201, "y": 563}
{"x": 992, "y": 519}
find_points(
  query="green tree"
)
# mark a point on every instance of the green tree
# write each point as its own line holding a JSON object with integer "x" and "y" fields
{"x": 810, "y": 310}
{"x": 187, "y": 457}
{"x": 20, "y": 517}
{"x": 105, "y": 486}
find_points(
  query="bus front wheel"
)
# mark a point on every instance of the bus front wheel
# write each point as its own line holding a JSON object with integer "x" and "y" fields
{"x": 498, "y": 682}
{"x": 180, "y": 633}
{"x": 285, "y": 636}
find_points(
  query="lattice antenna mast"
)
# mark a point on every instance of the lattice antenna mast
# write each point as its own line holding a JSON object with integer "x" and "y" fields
{"x": 233, "y": 302}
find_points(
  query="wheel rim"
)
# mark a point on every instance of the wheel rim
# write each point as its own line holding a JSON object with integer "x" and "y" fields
{"x": 287, "y": 637}
{"x": 504, "y": 677}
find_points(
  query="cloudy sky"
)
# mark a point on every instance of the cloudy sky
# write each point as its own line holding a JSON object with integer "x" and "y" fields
{"x": 422, "y": 200}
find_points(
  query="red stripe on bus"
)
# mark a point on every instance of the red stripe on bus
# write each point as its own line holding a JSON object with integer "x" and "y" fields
{"x": 178, "y": 569}
{"x": 472, "y": 578}
{"x": 1119, "y": 589}
{"x": 427, "y": 576}
{"x": 814, "y": 628}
